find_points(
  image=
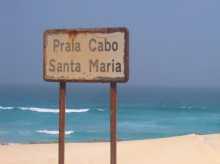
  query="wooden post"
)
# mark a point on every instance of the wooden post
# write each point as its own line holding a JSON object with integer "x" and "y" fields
{"x": 113, "y": 122}
{"x": 62, "y": 96}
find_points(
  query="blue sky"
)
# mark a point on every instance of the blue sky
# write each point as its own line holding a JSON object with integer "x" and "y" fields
{"x": 173, "y": 43}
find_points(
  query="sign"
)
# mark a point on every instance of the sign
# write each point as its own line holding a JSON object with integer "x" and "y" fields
{"x": 86, "y": 55}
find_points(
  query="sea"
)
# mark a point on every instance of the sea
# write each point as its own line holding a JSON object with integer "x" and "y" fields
{"x": 29, "y": 113}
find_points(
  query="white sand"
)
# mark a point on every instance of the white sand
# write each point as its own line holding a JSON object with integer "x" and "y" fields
{"x": 189, "y": 149}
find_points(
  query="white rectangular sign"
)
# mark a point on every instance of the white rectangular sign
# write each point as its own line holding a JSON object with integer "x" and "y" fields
{"x": 86, "y": 55}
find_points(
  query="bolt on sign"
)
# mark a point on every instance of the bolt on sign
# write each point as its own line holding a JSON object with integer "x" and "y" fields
{"x": 86, "y": 55}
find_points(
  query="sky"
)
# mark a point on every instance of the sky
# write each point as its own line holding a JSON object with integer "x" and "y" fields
{"x": 174, "y": 43}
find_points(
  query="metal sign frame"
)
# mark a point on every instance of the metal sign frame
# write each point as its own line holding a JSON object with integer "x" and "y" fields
{"x": 112, "y": 95}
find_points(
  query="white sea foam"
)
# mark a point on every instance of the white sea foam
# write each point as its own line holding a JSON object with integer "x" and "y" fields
{"x": 54, "y": 132}
{"x": 100, "y": 110}
{"x": 49, "y": 110}
{"x": 192, "y": 107}
{"x": 186, "y": 107}
{"x": 6, "y": 107}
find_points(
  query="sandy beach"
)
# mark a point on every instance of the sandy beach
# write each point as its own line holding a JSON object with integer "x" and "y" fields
{"x": 188, "y": 149}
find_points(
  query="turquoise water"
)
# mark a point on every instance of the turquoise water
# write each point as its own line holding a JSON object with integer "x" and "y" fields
{"x": 30, "y": 114}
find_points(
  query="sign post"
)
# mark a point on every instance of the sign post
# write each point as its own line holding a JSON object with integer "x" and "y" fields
{"x": 86, "y": 55}
{"x": 62, "y": 97}
{"x": 113, "y": 122}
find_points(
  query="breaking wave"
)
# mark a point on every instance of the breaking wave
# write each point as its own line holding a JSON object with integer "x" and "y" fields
{"x": 49, "y": 110}
{"x": 192, "y": 107}
{"x": 6, "y": 107}
{"x": 54, "y": 132}
{"x": 44, "y": 110}
{"x": 100, "y": 109}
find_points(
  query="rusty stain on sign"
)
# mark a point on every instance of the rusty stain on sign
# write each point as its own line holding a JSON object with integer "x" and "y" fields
{"x": 86, "y": 55}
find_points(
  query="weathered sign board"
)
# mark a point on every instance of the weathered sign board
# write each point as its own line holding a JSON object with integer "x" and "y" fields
{"x": 86, "y": 55}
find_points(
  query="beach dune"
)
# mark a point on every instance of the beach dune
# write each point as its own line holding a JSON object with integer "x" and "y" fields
{"x": 188, "y": 149}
